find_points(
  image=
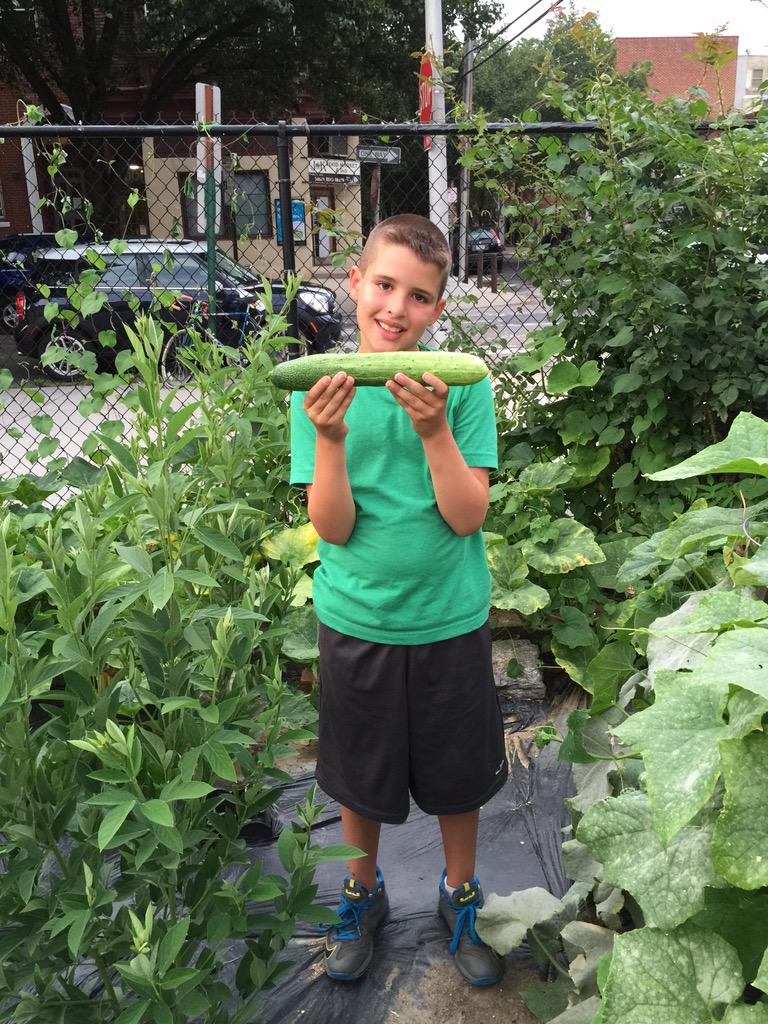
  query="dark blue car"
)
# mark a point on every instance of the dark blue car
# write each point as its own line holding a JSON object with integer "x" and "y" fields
{"x": 131, "y": 280}
{"x": 14, "y": 253}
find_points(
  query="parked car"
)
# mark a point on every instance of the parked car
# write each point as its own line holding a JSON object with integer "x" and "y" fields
{"x": 132, "y": 279}
{"x": 481, "y": 242}
{"x": 14, "y": 252}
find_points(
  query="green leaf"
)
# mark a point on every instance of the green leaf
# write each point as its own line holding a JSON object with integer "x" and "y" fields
{"x": 171, "y": 944}
{"x": 135, "y": 1012}
{"x": 136, "y": 557}
{"x": 301, "y": 641}
{"x": 562, "y": 377}
{"x": 686, "y": 976}
{"x": 181, "y": 790}
{"x": 80, "y": 920}
{"x": 569, "y": 546}
{"x": 30, "y": 582}
{"x": 751, "y": 572}
{"x": 621, "y": 338}
{"x": 574, "y": 660}
{"x": 607, "y": 671}
{"x": 722, "y": 610}
{"x": 219, "y": 760}
{"x": 741, "y": 833}
{"x": 741, "y": 918}
{"x": 179, "y": 976}
{"x": 43, "y": 423}
{"x": 668, "y": 881}
{"x": 287, "y": 847}
{"x": 161, "y": 588}
{"x": 503, "y": 921}
{"x": 92, "y": 303}
{"x": 66, "y": 238}
{"x": 625, "y": 475}
{"x": 679, "y": 737}
{"x": 625, "y": 383}
{"x": 295, "y": 546}
{"x": 574, "y": 630}
{"x": 216, "y": 541}
{"x": 158, "y": 812}
{"x": 744, "y": 450}
{"x": 112, "y": 821}
{"x": 596, "y": 942}
{"x": 612, "y": 284}
{"x": 572, "y": 749}
{"x": 742, "y": 1014}
{"x": 118, "y": 451}
{"x": 524, "y": 597}
{"x": 200, "y": 579}
{"x": 541, "y": 477}
{"x": 739, "y": 656}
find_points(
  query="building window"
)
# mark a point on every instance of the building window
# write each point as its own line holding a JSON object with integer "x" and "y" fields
{"x": 757, "y": 77}
{"x": 246, "y": 211}
{"x": 250, "y": 204}
{"x": 328, "y": 145}
{"x": 189, "y": 192}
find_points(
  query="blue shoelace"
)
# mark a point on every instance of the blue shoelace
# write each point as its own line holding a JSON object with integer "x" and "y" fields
{"x": 349, "y": 929}
{"x": 465, "y": 921}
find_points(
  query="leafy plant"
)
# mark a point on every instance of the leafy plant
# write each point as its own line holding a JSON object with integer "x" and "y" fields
{"x": 668, "y": 853}
{"x": 144, "y": 710}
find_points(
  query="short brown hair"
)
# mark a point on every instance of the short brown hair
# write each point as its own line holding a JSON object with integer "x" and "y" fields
{"x": 417, "y": 233}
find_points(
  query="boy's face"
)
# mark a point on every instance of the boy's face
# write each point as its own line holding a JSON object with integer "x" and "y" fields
{"x": 397, "y": 299}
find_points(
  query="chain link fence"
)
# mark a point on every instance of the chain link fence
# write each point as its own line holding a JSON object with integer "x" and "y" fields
{"x": 202, "y": 227}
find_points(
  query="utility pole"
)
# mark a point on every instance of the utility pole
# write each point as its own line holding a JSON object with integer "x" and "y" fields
{"x": 469, "y": 60}
{"x": 437, "y": 153}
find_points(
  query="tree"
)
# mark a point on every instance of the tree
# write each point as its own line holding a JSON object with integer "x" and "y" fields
{"x": 574, "y": 49}
{"x": 263, "y": 52}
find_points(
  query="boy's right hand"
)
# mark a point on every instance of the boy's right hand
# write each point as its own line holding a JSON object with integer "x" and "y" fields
{"x": 326, "y": 404}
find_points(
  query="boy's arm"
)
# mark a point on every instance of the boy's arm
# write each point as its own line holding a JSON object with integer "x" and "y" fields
{"x": 461, "y": 491}
{"x": 330, "y": 504}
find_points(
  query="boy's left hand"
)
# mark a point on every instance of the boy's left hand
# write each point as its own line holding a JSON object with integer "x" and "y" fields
{"x": 425, "y": 407}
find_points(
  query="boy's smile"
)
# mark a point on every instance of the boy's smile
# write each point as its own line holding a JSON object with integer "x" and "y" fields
{"x": 397, "y": 296}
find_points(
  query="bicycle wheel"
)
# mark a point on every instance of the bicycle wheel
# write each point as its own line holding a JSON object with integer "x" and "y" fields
{"x": 172, "y": 369}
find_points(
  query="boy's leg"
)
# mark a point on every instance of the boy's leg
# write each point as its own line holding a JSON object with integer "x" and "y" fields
{"x": 460, "y": 845}
{"x": 478, "y": 963}
{"x": 364, "y": 834}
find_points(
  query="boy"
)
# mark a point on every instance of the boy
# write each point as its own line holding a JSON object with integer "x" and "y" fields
{"x": 397, "y": 485}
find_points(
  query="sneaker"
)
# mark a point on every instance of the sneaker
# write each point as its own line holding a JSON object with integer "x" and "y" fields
{"x": 478, "y": 963}
{"x": 349, "y": 945}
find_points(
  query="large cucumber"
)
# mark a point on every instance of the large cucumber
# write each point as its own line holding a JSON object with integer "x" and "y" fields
{"x": 372, "y": 369}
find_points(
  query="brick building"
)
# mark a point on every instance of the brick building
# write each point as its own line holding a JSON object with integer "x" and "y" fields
{"x": 675, "y": 68}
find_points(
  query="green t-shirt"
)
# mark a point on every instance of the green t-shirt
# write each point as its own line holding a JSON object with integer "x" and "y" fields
{"x": 404, "y": 576}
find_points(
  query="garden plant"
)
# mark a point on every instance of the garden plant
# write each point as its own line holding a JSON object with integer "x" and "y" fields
{"x": 144, "y": 705}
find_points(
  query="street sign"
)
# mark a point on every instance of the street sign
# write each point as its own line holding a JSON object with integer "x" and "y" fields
{"x": 425, "y": 96}
{"x": 378, "y": 154}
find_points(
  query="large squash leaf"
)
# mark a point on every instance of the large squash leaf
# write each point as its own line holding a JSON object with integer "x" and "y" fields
{"x": 744, "y": 450}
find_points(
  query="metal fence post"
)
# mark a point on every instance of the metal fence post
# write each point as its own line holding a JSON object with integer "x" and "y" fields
{"x": 286, "y": 223}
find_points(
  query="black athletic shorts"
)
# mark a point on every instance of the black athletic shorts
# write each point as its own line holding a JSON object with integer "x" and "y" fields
{"x": 418, "y": 718}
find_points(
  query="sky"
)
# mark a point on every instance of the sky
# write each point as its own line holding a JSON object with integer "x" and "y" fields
{"x": 745, "y": 18}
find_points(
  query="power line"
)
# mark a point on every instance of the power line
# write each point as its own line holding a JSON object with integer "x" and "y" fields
{"x": 501, "y": 31}
{"x": 504, "y": 45}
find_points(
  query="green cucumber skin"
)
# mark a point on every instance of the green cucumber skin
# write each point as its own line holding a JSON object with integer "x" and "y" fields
{"x": 374, "y": 369}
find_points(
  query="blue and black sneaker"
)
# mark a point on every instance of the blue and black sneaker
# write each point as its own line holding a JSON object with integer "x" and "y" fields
{"x": 349, "y": 945}
{"x": 476, "y": 961}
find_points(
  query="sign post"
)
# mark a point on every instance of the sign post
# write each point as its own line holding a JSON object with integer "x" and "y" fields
{"x": 437, "y": 148}
{"x": 209, "y": 175}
